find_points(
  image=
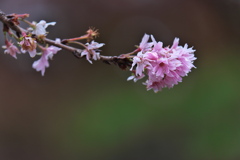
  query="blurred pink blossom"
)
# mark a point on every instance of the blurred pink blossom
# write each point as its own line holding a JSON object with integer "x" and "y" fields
{"x": 28, "y": 44}
{"x": 141, "y": 63}
{"x": 42, "y": 63}
{"x": 11, "y": 49}
{"x": 144, "y": 44}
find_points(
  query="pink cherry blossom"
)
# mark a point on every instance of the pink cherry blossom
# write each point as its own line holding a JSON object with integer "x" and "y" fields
{"x": 141, "y": 63}
{"x": 144, "y": 44}
{"x": 42, "y": 63}
{"x": 155, "y": 86}
{"x": 164, "y": 66}
{"x": 28, "y": 44}
{"x": 157, "y": 46}
{"x": 92, "y": 52}
{"x": 11, "y": 49}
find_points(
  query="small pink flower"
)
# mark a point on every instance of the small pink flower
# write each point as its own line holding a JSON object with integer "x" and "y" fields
{"x": 157, "y": 46}
{"x": 164, "y": 66}
{"x": 11, "y": 49}
{"x": 92, "y": 51}
{"x": 28, "y": 44}
{"x": 155, "y": 86}
{"x": 141, "y": 63}
{"x": 42, "y": 63}
{"x": 144, "y": 44}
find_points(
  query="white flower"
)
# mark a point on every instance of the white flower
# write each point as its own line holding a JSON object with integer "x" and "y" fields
{"x": 40, "y": 28}
{"x": 92, "y": 51}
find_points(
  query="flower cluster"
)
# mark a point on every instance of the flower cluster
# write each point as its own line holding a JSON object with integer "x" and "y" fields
{"x": 164, "y": 66}
{"x": 29, "y": 44}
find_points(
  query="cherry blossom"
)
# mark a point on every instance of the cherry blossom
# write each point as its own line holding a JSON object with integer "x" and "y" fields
{"x": 11, "y": 49}
{"x": 28, "y": 44}
{"x": 40, "y": 28}
{"x": 91, "y": 51}
{"x": 141, "y": 62}
{"x": 42, "y": 63}
{"x": 164, "y": 66}
{"x": 144, "y": 44}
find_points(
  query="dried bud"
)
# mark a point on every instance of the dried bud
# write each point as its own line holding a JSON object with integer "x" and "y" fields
{"x": 91, "y": 34}
{"x": 15, "y": 17}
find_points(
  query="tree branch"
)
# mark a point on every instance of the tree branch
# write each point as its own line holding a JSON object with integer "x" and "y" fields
{"x": 122, "y": 61}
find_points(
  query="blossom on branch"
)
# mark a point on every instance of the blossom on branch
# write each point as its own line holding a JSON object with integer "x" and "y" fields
{"x": 11, "y": 49}
{"x": 42, "y": 63}
{"x": 40, "y": 28}
{"x": 141, "y": 62}
{"x": 28, "y": 44}
{"x": 91, "y": 51}
{"x": 144, "y": 44}
{"x": 164, "y": 66}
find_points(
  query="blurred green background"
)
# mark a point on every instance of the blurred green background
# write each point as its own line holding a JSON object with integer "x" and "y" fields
{"x": 79, "y": 111}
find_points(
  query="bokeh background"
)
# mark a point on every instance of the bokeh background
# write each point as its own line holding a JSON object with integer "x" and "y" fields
{"x": 79, "y": 111}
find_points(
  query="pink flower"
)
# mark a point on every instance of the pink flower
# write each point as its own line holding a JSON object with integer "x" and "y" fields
{"x": 157, "y": 46}
{"x": 42, "y": 63}
{"x": 141, "y": 63}
{"x": 28, "y": 44}
{"x": 155, "y": 86}
{"x": 144, "y": 44}
{"x": 11, "y": 49}
{"x": 92, "y": 51}
{"x": 164, "y": 66}
{"x": 40, "y": 28}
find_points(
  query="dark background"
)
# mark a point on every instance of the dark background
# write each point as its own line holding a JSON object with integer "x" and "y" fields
{"x": 90, "y": 112}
